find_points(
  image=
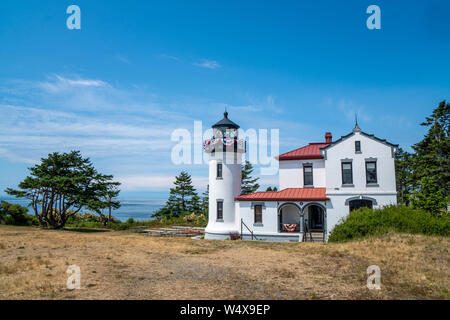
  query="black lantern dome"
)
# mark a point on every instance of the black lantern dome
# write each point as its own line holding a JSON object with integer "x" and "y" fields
{"x": 225, "y": 123}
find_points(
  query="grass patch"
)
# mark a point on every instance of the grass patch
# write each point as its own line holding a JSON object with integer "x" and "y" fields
{"x": 398, "y": 219}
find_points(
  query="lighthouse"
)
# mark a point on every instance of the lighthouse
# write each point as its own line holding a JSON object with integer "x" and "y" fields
{"x": 225, "y": 173}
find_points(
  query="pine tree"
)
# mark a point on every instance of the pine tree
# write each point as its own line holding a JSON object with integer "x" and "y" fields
{"x": 182, "y": 199}
{"x": 429, "y": 196}
{"x": 249, "y": 184}
{"x": 431, "y": 163}
{"x": 61, "y": 185}
{"x": 205, "y": 201}
{"x": 195, "y": 205}
{"x": 403, "y": 173}
{"x": 433, "y": 152}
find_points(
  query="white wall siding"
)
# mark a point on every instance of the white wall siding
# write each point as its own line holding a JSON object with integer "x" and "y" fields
{"x": 370, "y": 148}
{"x": 225, "y": 189}
{"x": 291, "y": 173}
{"x": 337, "y": 209}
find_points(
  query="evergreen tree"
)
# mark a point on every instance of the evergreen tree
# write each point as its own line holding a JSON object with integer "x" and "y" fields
{"x": 431, "y": 163}
{"x": 271, "y": 189}
{"x": 182, "y": 198}
{"x": 249, "y": 184}
{"x": 403, "y": 172}
{"x": 61, "y": 185}
{"x": 195, "y": 205}
{"x": 205, "y": 201}
{"x": 429, "y": 196}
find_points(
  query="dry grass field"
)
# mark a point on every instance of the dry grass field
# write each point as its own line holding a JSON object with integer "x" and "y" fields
{"x": 124, "y": 265}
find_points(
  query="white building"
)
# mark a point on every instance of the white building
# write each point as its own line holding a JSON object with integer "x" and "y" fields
{"x": 319, "y": 185}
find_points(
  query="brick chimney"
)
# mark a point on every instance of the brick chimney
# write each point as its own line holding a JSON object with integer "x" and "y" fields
{"x": 328, "y": 137}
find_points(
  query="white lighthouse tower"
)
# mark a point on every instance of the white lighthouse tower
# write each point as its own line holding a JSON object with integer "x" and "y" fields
{"x": 225, "y": 152}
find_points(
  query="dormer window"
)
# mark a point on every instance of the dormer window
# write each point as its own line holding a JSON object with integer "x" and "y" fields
{"x": 308, "y": 175}
{"x": 357, "y": 146}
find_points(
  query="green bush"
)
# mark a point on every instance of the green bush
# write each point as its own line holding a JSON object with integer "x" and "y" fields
{"x": 366, "y": 222}
{"x": 17, "y": 215}
{"x": 14, "y": 214}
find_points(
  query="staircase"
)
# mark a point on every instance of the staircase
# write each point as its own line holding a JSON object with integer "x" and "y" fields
{"x": 316, "y": 237}
{"x": 313, "y": 235}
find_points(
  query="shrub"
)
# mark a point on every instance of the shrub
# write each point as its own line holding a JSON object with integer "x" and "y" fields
{"x": 366, "y": 222}
{"x": 199, "y": 220}
{"x": 14, "y": 214}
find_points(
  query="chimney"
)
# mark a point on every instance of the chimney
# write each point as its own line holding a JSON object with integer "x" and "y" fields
{"x": 328, "y": 137}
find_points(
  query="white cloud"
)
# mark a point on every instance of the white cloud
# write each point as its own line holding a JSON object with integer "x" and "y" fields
{"x": 166, "y": 56}
{"x": 13, "y": 157}
{"x": 58, "y": 83}
{"x": 209, "y": 64}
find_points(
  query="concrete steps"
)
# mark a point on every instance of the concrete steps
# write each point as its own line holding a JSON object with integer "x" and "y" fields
{"x": 316, "y": 237}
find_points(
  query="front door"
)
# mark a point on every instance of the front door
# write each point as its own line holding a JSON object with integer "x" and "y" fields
{"x": 316, "y": 218}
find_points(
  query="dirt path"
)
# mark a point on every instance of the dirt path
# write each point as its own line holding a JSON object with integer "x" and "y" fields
{"x": 122, "y": 265}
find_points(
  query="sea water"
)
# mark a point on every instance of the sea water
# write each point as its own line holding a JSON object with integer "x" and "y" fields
{"x": 138, "y": 209}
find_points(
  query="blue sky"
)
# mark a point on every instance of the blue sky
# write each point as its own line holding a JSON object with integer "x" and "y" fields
{"x": 137, "y": 70}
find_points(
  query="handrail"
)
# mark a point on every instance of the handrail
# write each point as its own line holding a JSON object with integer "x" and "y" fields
{"x": 305, "y": 232}
{"x": 251, "y": 232}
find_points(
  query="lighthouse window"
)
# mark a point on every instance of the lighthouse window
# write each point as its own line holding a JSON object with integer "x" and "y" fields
{"x": 258, "y": 213}
{"x": 219, "y": 210}
{"x": 219, "y": 170}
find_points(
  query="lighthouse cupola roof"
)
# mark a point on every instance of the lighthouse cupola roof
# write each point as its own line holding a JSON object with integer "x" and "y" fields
{"x": 225, "y": 123}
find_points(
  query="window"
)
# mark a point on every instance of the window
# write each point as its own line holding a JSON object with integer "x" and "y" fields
{"x": 371, "y": 172}
{"x": 219, "y": 210}
{"x": 356, "y": 204}
{"x": 347, "y": 174}
{"x": 307, "y": 175}
{"x": 357, "y": 146}
{"x": 219, "y": 170}
{"x": 258, "y": 213}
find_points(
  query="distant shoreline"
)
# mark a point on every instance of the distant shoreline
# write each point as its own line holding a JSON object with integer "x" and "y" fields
{"x": 138, "y": 209}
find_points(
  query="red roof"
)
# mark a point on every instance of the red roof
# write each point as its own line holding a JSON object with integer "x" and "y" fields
{"x": 311, "y": 151}
{"x": 289, "y": 194}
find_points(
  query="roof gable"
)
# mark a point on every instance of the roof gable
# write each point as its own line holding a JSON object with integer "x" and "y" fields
{"x": 370, "y": 136}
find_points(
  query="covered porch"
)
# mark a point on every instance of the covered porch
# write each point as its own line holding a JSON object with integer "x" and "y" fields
{"x": 308, "y": 221}
{"x": 292, "y": 214}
